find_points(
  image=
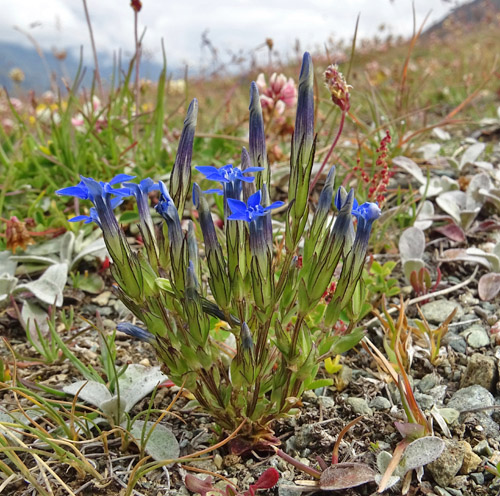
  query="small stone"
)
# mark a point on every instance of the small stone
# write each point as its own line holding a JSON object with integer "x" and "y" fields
{"x": 218, "y": 461}
{"x": 476, "y": 336}
{"x": 481, "y": 370}
{"x": 288, "y": 488}
{"x": 483, "y": 448}
{"x": 103, "y": 299}
{"x": 425, "y": 401}
{"x": 456, "y": 342}
{"x": 454, "y": 492}
{"x": 471, "y": 460}
{"x": 436, "y": 311}
{"x": 380, "y": 403}
{"x": 438, "y": 393}
{"x": 359, "y": 406}
{"x": 428, "y": 382}
{"x": 145, "y": 362}
{"x": 444, "y": 469}
{"x": 326, "y": 401}
{"x": 450, "y": 415}
{"x": 441, "y": 491}
{"x": 477, "y": 477}
{"x": 471, "y": 397}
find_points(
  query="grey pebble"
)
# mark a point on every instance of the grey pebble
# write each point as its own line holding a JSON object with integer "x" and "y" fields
{"x": 380, "y": 403}
{"x": 476, "y": 336}
{"x": 436, "y": 311}
{"x": 477, "y": 477}
{"x": 359, "y": 406}
{"x": 471, "y": 397}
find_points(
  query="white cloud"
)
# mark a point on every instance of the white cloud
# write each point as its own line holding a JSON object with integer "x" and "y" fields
{"x": 233, "y": 24}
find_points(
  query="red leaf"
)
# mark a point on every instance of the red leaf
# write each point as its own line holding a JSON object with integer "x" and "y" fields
{"x": 267, "y": 480}
{"x": 197, "y": 485}
{"x": 452, "y": 231}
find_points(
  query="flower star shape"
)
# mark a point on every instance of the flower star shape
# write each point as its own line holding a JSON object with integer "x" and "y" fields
{"x": 248, "y": 212}
{"x": 226, "y": 174}
{"x": 89, "y": 189}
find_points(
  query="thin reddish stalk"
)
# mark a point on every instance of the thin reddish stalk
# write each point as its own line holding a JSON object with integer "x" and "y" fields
{"x": 334, "y": 144}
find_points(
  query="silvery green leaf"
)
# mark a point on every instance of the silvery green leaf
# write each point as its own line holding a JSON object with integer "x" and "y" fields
{"x": 91, "y": 283}
{"x": 493, "y": 195}
{"x": 412, "y": 265}
{"x": 438, "y": 185}
{"x": 459, "y": 254}
{"x": 34, "y": 316}
{"x": 35, "y": 259}
{"x": 430, "y": 150}
{"x": 474, "y": 196}
{"x": 7, "y": 264}
{"x": 424, "y": 217}
{"x": 93, "y": 248}
{"x": 49, "y": 287}
{"x": 49, "y": 247}
{"x": 412, "y": 243}
{"x": 441, "y": 421}
{"x": 411, "y": 167}
{"x": 7, "y": 285}
{"x": 93, "y": 392}
{"x": 421, "y": 452}
{"x": 115, "y": 408}
{"x": 137, "y": 382}
{"x": 471, "y": 154}
{"x": 441, "y": 134}
{"x": 452, "y": 202}
{"x": 492, "y": 258}
{"x": 161, "y": 445}
{"x": 383, "y": 460}
{"x": 67, "y": 245}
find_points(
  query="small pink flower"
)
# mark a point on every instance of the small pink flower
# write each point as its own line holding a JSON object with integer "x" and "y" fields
{"x": 280, "y": 94}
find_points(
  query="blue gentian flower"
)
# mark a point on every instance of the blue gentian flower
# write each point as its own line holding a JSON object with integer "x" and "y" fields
{"x": 168, "y": 211}
{"x": 100, "y": 194}
{"x": 250, "y": 211}
{"x": 135, "y": 332}
{"x": 227, "y": 173}
{"x": 366, "y": 213}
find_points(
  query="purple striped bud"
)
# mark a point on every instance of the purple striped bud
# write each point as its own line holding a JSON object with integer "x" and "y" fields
{"x": 257, "y": 137}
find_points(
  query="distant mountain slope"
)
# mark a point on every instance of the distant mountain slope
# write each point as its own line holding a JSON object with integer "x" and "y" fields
{"x": 468, "y": 15}
{"x": 38, "y": 74}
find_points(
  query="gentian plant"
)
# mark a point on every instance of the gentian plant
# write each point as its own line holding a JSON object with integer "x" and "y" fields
{"x": 270, "y": 295}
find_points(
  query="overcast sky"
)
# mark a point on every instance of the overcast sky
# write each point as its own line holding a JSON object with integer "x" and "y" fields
{"x": 232, "y": 24}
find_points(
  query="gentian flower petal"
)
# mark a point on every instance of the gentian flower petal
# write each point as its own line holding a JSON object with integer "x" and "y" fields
{"x": 121, "y": 178}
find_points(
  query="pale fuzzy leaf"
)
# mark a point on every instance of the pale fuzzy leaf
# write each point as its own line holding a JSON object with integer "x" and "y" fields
{"x": 93, "y": 392}
{"x": 411, "y": 167}
{"x": 489, "y": 286}
{"x": 452, "y": 202}
{"x": 421, "y": 452}
{"x": 412, "y": 244}
{"x": 461, "y": 255}
{"x": 67, "y": 245}
{"x": 49, "y": 287}
{"x": 115, "y": 408}
{"x": 430, "y": 150}
{"x": 492, "y": 258}
{"x": 467, "y": 217}
{"x": 438, "y": 185}
{"x": 7, "y": 285}
{"x": 94, "y": 248}
{"x": 493, "y": 195}
{"x": 409, "y": 266}
{"x": 137, "y": 382}
{"x": 424, "y": 217}
{"x": 7, "y": 264}
{"x": 474, "y": 196}
{"x": 34, "y": 316}
{"x": 440, "y": 421}
{"x": 161, "y": 445}
{"x": 49, "y": 247}
{"x": 471, "y": 154}
{"x": 383, "y": 460}
{"x": 441, "y": 134}
{"x": 34, "y": 259}
{"x": 345, "y": 475}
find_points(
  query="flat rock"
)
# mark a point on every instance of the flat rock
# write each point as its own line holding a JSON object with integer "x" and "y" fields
{"x": 476, "y": 336}
{"x": 436, "y": 311}
{"x": 481, "y": 370}
{"x": 380, "y": 403}
{"x": 444, "y": 469}
{"x": 359, "y": 406}
{"x": 456, "y": 342}
{"x": 471, "y": 397}
{"x": 428, "y": 382}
